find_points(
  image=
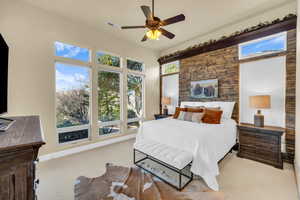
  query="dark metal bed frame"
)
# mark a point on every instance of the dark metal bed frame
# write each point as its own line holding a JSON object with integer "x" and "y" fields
{"x": 179, "y": 171}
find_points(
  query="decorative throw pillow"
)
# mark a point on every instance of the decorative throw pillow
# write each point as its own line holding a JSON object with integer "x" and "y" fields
{"x": 212, "y": 116}
{"x": 197, "y": 117}
{"x": 181, "y": 115}
{"x": 194, "y": 107}
{"x": 191, "y": 116}
{"x": 196, "y": 110}
{"x": 177, "y": 112}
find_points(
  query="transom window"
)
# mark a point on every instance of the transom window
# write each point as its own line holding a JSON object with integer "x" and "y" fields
{"x": 263, "y": 46}
{"x": 172, "y": 67}
{"x": 74, "y": 93}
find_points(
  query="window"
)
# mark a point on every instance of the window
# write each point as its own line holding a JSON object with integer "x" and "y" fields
{"x": 172, "y": 67}
{"x": 134, "y": 65}
{"x": 263, "y": 46}
{"x": 107, "y": 59}
{"x": 82, "y": 82}
{"x": 72, "y": 52}
{"x": 72, "y": 101}
{"x": 109, "y": 101}
{"x": 134, "y": 100}
{"x": 169, "y": 84}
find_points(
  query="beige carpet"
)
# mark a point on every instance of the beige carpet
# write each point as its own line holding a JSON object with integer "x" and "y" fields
{"x": 240, "y": 179}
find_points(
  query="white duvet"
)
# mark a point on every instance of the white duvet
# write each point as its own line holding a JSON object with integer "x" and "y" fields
{"x": 208, "y": 143}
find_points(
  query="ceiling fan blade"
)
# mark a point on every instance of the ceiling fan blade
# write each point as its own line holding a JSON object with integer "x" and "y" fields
{"x": 130, "y": 27}
{"x": 147, "y": 12}
{"x": 144, "y": 38}
{"x": 173, "y": 20}
{"x": 166, "y": 33}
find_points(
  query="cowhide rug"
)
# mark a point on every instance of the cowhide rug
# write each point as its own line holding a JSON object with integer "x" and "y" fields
{"x": 123, "y": 183}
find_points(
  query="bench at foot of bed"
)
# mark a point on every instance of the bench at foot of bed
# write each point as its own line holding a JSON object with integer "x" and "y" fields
{"x": 169, "y": 164}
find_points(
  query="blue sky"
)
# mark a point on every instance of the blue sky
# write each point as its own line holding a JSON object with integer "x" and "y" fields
{"x": 70, "y": 76}
{"x": 70, "y": 51}
{"x": 275, "y": 43}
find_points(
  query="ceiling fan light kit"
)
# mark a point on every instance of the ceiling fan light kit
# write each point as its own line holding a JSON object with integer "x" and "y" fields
{"x": 154, "y": 24}
{"x": 153, "y": 34}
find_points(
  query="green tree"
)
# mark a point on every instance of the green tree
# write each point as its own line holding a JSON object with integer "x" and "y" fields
{"x": 108, "y": 96}
{"x": 72, "y": 107}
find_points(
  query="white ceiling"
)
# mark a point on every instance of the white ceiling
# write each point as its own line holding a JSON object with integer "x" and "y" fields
{"x": 202, "y": 16}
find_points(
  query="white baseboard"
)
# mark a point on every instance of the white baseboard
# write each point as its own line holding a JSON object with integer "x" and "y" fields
{"x": 85, "y": 148}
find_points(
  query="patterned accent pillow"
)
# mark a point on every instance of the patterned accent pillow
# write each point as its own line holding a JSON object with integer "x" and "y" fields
{"x": 178, "y": 111}
{"x": 191, "y": 116}
{"x": 181, "y": 115}
{"x": 197, "y": 117}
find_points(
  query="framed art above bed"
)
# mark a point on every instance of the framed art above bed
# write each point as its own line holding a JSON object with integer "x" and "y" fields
{"x": 204, "y": 89}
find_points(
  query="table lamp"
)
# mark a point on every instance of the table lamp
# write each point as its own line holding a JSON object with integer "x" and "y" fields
{"x": 260, "y": 102}
{"x": 165, "y": 101}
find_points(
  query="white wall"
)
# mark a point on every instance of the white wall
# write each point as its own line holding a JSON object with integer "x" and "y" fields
{"x": 30, "y": 33}
{"x": 228, "y": 29}
{"x": 170, "y": 88}
{"x": 263, "y": 77}
{"x": 297, "y": 151}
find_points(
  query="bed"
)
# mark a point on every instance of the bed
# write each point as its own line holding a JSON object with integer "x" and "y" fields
{"x": 208, "y": 143}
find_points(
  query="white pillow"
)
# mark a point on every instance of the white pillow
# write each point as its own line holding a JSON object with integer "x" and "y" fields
{"x": 226, "y": 107}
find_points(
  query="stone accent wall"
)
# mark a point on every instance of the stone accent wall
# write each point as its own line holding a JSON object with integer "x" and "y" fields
{"x": 223, "y": 64}
{"x": 290, "y": 99}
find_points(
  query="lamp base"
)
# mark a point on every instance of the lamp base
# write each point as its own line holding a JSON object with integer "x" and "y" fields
{"x": 165, "y": 111}
{"x": 259, "y": 119}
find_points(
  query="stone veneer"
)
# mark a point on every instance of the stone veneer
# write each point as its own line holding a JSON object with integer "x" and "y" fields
{"x": 223, "y": 64}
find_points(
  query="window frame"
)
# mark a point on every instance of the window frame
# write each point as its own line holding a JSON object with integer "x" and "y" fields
{"x": 137, "y": 119}
{"x": 94, "y": 67}
{"x": 241, "y": 57}
{"x": 119, "y": 122}
{"x": 107, "y": 66}
{"x": 136, "y": 60}
{"x": 161, "y": 76}
{"x": 177, "y": 62}
{"x": 77, "y": 63}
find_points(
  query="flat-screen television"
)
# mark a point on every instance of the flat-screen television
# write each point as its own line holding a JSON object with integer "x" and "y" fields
{"x": 3, "y": 75}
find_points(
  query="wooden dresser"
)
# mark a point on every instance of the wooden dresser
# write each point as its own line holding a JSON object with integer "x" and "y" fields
{"x": 261, "y": 144}
{"x": 19, "y": 148}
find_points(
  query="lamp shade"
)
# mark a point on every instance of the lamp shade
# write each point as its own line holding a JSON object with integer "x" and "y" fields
{"x": 260, "y": 101}
{"x": 166, "y": 100}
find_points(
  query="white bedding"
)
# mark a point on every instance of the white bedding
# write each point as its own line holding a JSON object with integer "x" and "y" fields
{"x": 208, "y": 143}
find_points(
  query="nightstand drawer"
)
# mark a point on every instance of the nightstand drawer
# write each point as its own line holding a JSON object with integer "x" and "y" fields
{"x": 261, "y": 155}
{"x": 251, "y": 137}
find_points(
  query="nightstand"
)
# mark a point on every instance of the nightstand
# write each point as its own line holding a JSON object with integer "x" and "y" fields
{"x": 161, "y": 116}
{"x": 262, "y": 144}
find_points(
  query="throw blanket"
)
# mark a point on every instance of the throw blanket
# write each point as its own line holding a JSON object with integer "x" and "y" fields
{"x": 122, "y": 183}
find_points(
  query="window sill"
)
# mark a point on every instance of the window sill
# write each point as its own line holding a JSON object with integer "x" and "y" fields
{"x": 87, "y": 147}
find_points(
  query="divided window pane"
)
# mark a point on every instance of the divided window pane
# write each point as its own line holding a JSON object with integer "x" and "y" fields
{"x": 134, "y": 65}
{"x": 71, "y": 51}
{"x": 107, "y": 130}
{"x": 107, "y": 59}
{"x": 133, "y": 125}
{"x": 108, "y": 96}
{"x": 72, "y": 100}
{"x": 172, "y": 67}
{"x": 263, "y": 46}
{"x": 135, "y": 96}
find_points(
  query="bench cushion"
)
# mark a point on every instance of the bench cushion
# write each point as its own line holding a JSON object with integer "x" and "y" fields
{"x": 172, "y": 156}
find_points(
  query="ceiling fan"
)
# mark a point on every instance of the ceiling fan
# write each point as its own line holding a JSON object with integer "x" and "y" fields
{"x": 154, "y": 24}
